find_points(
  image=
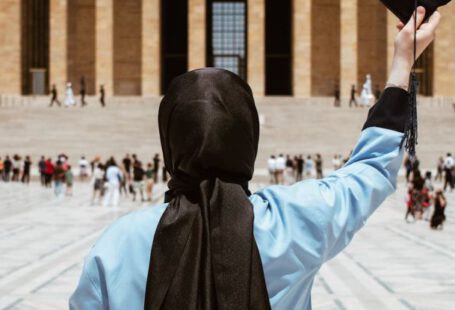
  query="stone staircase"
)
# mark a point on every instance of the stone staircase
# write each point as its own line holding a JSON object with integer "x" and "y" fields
{"x": 129, "y": 125}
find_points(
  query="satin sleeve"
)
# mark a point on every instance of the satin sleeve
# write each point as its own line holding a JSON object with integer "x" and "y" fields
{"x": 316, "y": 219}
{"x": 88, "y": 294}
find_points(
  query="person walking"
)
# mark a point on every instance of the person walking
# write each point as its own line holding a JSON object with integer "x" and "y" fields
{"x": 449, "y": 164}
{"x": 213, "y": 244}
{"x": 353, "y": 99}
{"x": 439, "y": 170}
{"x": 319, "y": 169}
{"x": 42, "y": 170}
{"x": 54, "y": 97}
{"x": 114, "y": 178}
{"x": 280, "y": 167}
{"x": 69, "y": 178}
{"x": 156, "y": 167}
{"x": 7, "y": 167}
{"x": 16, "y": 168}
{"x": 69, "y": 96}
{"x": 98, "y": 183}
{"x": 438, "y": 217}
{"x": 127, "y": 165}
{"x": 337, "y": 102}
{"x": 83, "y": 168}
{"x": 300, "y": 165}
{"x": 138, "y": 180}
{"x": 49, "y": 172}
{"x": 102, "y": 96}
{"x": 271, "y": 167}
{"x": 149, "y": 182}
{"x": 59, "y": 178}
{"x": 289, "y": 171}
{"x": 82, "y": 91}
{"x": 26, "y": 170}
{"x": 309, "y": 166}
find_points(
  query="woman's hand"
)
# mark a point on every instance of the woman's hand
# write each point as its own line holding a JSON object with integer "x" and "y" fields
{"x": 403, "y": 58}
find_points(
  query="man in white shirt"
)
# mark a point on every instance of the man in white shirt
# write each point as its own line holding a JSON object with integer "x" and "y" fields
{"x": 114, "y": 178}
{"x": 83, "y": 168}
{"x": 448, "y": 168}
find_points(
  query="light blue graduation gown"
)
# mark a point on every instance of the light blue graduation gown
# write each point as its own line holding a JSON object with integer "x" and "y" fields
{"x": 297, "y": 228}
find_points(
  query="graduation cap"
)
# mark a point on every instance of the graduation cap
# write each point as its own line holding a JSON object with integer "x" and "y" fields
{"x": 404, "y": 10}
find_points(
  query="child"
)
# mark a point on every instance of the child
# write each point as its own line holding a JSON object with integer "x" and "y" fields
{"x": 69, "y": 181}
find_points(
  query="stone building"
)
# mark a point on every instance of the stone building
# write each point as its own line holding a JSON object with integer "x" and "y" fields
{"x": 300, "y": 48}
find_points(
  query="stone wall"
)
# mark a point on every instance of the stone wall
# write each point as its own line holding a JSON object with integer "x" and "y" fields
{"x": 117, "y": 43}
{"x": 81, "y": 44}
{"x": 127, "y": 47}
{"x": 325, "y": 47}
{"x": 372, "y": 46}
{"x": 10, "y": 46}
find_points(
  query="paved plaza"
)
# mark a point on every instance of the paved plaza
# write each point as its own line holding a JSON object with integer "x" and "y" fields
{"x": 390, "y": 264}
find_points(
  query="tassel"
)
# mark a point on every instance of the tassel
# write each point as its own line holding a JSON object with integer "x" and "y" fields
{"x": 411, "y": 133}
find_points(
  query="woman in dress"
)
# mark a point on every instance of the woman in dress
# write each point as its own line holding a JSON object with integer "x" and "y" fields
{"x": 69, "y": 95}
{"x": 213, "y": 244}
{"x": 438, "y": 218}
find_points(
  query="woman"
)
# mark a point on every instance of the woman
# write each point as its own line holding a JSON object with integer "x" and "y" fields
{"x": 69, "y": 179}
{"x": 438, "y": 218}
{"x": 69, "y": 95}
{"x": 98, "y": 183}
{"x": 16, "y": 168}
{"x": 213, "y": 245}
{"x": 59, "y": 178}
{"x": 26, "y": 170}
{"x": 439, "y": 169}
{"x": 114, "y": 178}
{"x": 149, "y": 173}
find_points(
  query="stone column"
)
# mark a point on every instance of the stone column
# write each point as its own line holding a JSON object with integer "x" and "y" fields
{"x": 256, "y": 46}
{"x": 10, "y": 41}
{"x": 349, "y": 44}
{"x": 392, "y": 31}
{"x": 302, "y": 48}
{"x": 104, "y": 45}
{"x": 58, "y": 53}
{"x": 444, "y": 57}
{"x": 151, "y": 48}
{"x": 196, "y": 34}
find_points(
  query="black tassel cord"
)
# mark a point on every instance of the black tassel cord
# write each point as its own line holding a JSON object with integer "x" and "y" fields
{"x": 411, "y": 133}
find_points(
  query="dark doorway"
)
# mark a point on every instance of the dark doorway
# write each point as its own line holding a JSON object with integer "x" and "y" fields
{"x": 424, "y": 72}
{"x": 278, "y": 58}
{"x": 325, "y": 46}
{"x": 226, "y": 36}
{"x": 35, "y": 47}
{"x": 174, "y": 40}
{"x": 127, "y": 47}
{"x": 81, "y": 44}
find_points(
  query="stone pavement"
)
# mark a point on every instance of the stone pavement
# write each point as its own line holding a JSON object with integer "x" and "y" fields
{"x": 390, "y": 264}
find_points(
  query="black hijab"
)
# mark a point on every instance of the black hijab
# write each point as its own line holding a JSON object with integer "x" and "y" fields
{"x": 204, "y": 256}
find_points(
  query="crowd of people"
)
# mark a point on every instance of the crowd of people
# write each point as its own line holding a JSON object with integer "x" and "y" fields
{"x": 287, "y": 169}
{"x": 131, "y": 178}
{"x": 109, "y": 179}
{"x": 425, "y": 201}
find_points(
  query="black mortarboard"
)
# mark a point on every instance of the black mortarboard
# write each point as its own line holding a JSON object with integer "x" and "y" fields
{"x": 404, "y": 10}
